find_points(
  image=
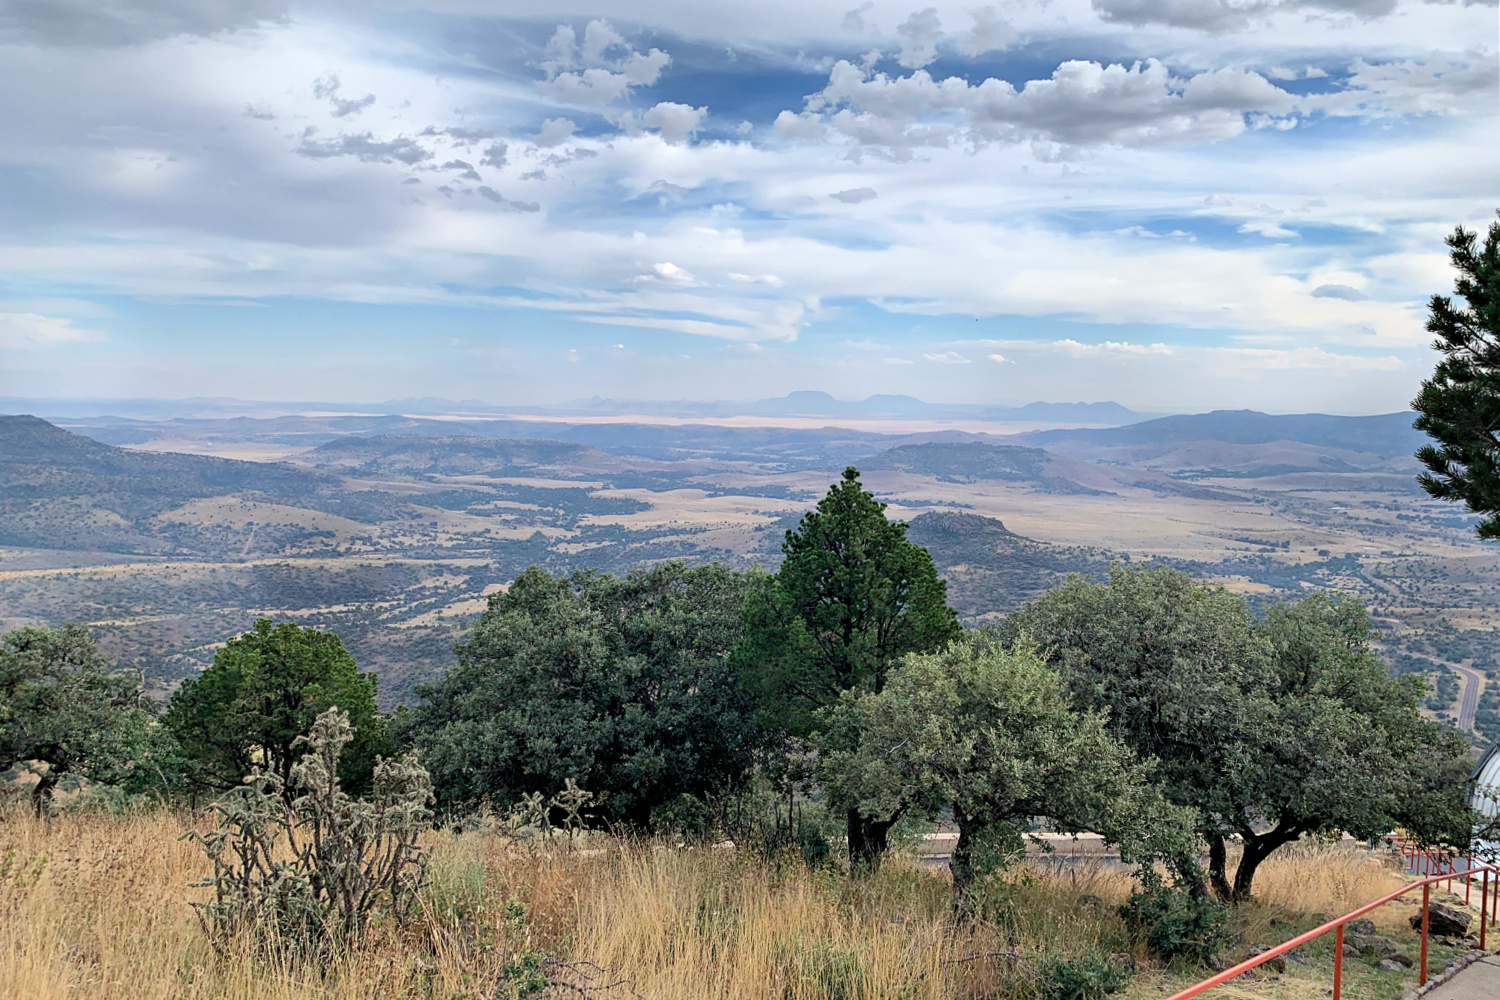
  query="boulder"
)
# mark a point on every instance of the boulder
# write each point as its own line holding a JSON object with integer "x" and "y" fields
{"x": 1350, "y": 951}
{"x": 1277, "y": 964}
{"x": 1364, "y": 925}
{"x": 1442, "y": 919}
{"x": 1401, "y": 959}
{"x": 1371, "y": 945}
{"x": 1386, "y": 965}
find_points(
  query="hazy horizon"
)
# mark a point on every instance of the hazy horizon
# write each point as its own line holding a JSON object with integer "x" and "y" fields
{"x": 625, "y": 410}
{"x": 1178, "y": 207}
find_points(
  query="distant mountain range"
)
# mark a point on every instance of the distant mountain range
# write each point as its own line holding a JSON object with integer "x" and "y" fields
{"x": 810, "y": 403}
{"x": 796, "y": 404}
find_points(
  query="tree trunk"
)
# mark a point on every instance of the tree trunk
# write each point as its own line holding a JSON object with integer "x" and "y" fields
{"x": 1217, "y": 865}
{"x": 869, "y": 839}
{"x": 1258, "y": 847}
{"x": 41, "y": 792}
{"x": 856, "y": 832}
{"x": 961, "y": 863}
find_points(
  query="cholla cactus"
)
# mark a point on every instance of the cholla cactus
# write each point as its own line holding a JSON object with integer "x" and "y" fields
{"x": 314, "y": 873}
{"x": 535, "y": 818}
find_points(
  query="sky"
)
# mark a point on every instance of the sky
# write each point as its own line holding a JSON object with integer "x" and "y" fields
{"x": 1178, "y": 205}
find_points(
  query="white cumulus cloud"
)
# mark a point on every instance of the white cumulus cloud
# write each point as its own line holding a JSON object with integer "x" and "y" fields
{"x": 599, "y": 72}
{"x": 676, "y": 122}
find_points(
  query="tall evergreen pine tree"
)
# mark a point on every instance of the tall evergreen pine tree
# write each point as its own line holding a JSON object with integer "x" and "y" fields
{"x": 852, "y": 597}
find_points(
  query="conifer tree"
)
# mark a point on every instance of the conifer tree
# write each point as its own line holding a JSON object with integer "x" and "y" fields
{"x": 1459, "y": 406}
{"x": 851, "y": 598}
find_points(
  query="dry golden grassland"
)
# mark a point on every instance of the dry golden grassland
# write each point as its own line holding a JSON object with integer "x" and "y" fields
{"x": 97, "y": 906}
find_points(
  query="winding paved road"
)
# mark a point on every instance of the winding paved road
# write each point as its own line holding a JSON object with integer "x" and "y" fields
{"x": 1469, "y": 704}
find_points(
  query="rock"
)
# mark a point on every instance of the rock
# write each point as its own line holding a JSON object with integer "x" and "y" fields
{"x": 1122, "y": 960}
{"x": 1364, "y": 925}
{"x": 1277, "y": 964}
{"x": 1296, "y": 955}
{"x": 1442, "y": 919}
{"x": 1350, "y": 951}
{"x": 1401, "y": 959}
{"x": 1219, "y": 963}
{"x": 1386, "y": 965}
{"x": 1371, "y": 945}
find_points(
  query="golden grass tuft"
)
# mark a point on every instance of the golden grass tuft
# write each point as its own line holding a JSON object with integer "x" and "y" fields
{"x": 97, "y": 906}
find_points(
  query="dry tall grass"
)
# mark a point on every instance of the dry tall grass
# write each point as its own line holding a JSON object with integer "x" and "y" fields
{"x": 96, "y": 906}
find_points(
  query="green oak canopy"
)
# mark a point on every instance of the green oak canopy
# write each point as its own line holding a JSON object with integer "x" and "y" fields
{"x": 990, "y": 735}
{"x": 622, "y": 684}
{"x": 61, "y": 707}
{"x": 1270, "y": 729}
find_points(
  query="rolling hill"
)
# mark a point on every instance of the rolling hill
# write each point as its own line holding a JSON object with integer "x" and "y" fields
{"x": 991, "y": 570}
{"x": 65, "y": 491}
{"x": 967, "y": 462}
{"x": 1245, "y": 444}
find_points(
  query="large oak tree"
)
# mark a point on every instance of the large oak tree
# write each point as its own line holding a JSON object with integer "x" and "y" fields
{"x": 1269, "y": 728}
{"x": 621, "y": 684}
{"x": 990, "y": 735}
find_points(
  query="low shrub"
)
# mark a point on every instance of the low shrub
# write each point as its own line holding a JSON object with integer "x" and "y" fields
{"x": 1089, "y": 977}
{"x": 1174, "y": 925}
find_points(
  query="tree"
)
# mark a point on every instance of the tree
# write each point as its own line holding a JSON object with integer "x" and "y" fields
{"x": 261, "y": 694}
{"x": 1167, "y": 659}
{"x": 1344, "y": 747}
{"x": 61, "y": 706}
{"x": 991, "y": 735}
{"x": 851, "y": 598}
{"x": 1459, "y": 406}
{"x": 1269, "y": 729}
{"x": 623, "y": 685}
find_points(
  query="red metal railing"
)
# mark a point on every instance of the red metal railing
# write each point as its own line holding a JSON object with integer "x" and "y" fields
{"x": 1436, "y": 867}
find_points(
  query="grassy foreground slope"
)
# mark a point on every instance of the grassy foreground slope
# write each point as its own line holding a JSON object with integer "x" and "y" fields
{"x": 97, "y": 906}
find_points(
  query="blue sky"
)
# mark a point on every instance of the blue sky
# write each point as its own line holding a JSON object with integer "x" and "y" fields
{"x": 1176, "y": 204}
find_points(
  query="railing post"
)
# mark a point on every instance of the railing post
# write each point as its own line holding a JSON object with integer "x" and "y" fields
{"x": 1484, "y": 903}
{"x": 1426, "y": 897}
{"x": 1338, "y": 961}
